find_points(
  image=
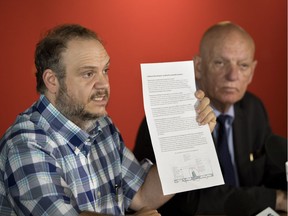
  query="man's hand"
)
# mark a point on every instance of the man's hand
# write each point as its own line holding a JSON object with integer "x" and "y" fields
{"x": 147, "y": 212}
{"x": 204, "y": 110}
{"x": 281, "y": 201}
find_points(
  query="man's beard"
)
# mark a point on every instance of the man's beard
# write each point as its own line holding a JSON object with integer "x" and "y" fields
{"x": 73, "y": 109}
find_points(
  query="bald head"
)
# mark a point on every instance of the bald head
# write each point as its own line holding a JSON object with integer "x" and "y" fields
{"x": 220, "y": 32}
{"x": 226, "y": 64}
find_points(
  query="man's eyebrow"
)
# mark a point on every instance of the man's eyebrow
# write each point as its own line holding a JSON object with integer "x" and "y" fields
{"x": 88, "y": 67}
{"x": 93, "y": 67}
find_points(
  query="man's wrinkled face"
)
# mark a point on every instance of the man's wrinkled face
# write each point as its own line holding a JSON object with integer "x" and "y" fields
{"x": 84, "y": 92}
{"x": 227, "y": 67}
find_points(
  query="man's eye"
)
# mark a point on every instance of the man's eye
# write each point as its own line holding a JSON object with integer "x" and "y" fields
{"x": 88, "y": 74}
{"x": 244, "y": 66}
{"x": 106, "y": 71}
{"x": 219, "y": 63}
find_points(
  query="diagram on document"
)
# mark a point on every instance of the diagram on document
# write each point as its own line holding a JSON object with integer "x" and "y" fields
{"x": 196, "y": 169}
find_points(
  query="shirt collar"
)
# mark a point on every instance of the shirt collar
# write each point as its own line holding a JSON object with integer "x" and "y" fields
{"x": 230, "y": 113}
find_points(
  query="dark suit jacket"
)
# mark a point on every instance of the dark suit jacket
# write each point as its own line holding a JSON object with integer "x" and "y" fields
{"x": 251, "y": 130}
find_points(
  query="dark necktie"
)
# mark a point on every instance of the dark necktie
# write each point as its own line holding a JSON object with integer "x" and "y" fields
{"x": 223, "y": 152}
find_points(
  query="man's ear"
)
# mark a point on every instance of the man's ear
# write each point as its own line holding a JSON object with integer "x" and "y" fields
{"x": 254, "y": 64}
{"x": 50, "y": 81}
{"x": 197, "y": 66}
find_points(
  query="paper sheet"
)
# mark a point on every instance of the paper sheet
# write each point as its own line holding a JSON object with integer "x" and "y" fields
{"x": 185, "y": 154}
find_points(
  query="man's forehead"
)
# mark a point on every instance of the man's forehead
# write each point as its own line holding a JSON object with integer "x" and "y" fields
{"x": 85, "y": 53}
{"x": 84, "y": 46}
{"x": 76, "y": 42}
{"x": 235, "y": 43}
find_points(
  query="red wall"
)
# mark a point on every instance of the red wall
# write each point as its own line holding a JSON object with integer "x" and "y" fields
{"x": 137, "y": 31}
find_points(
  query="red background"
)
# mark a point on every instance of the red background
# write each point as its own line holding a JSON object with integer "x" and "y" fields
{"x": 138, "y": 31}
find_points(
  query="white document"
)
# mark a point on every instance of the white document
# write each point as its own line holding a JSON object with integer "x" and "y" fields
{"x": 185, "y": 154}
{"x": 268, "y": 212}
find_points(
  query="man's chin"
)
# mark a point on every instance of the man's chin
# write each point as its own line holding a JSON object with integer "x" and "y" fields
{"x": 102, "y": 115}
{"x": 230, "y": 100}
{"x": 90, "y": 116}
{"x": 99, "y": 114}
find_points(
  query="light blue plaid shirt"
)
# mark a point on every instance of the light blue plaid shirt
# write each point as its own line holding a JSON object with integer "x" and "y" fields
{"x": 49, "y": 166}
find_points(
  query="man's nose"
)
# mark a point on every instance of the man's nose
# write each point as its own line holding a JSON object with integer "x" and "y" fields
{"x": 101, "y": 80}
{"x": 232, "y": 72}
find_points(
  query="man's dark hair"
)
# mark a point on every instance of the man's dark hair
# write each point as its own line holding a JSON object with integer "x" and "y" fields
{"x": 49, "y": 49}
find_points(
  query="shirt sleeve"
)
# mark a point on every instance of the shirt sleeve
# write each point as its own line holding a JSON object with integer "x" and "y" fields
{"x": 134, "y": 175}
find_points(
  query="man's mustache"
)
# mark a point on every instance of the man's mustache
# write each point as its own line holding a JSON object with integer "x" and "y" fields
{"x": 100, "y": 93}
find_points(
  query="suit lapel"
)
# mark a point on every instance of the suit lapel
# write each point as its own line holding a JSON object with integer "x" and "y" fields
{"x": 241, "y": 146}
